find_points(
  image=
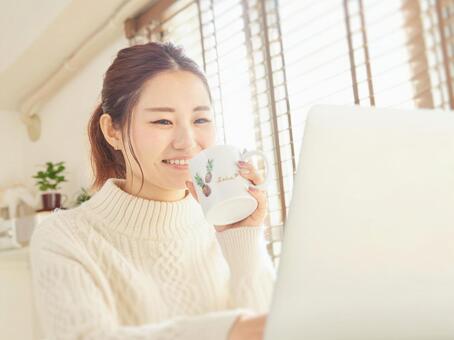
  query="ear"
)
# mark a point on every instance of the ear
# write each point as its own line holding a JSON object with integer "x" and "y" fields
{"x": 111, "y": 134}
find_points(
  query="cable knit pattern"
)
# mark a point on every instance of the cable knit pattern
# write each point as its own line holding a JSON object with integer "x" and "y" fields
{"x": 122, "y": 267}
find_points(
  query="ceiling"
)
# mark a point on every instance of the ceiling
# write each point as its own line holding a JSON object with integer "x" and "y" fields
{"x": 38, "y": 37}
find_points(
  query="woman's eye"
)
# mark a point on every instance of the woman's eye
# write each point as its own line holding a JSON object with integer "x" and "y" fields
{"x": 168, "y": 122}
{"x": 203, "y": 120}
{"x": 163, "y": 122}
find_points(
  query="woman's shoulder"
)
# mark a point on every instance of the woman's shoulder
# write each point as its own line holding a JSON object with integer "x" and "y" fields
{"x": 59, "y": 230}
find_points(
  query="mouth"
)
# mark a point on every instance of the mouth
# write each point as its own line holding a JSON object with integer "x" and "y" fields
{"x": 181, "y": 164}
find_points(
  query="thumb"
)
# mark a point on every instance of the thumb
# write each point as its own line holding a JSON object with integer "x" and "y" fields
{"x": 191, "y": 189}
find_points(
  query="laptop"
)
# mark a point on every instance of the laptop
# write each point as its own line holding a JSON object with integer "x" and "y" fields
{"x": 368, "y": 250}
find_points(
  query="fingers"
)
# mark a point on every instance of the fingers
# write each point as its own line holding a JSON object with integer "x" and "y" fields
{"x": 262, "y": 207}
{"x": 248, "y": 171}
{"x": 191, "y": 189}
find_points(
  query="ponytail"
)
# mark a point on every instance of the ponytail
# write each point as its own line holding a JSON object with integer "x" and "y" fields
{"x": 106, "y": 162}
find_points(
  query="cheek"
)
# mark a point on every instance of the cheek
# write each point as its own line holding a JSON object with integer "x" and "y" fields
{"x": 207, "y": 137}
{"x": 149, "y": 144}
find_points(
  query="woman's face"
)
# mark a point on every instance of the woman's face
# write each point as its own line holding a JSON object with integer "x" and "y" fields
{"x": 172, "y": 121}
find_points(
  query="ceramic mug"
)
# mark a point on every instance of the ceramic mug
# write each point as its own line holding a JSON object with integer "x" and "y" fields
{"x": 222, "y": 191}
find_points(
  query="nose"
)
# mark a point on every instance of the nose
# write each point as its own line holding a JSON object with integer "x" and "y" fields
{"x": 184, "y": 138}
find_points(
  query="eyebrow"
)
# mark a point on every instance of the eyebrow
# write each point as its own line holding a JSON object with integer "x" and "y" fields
{"x": 169, "y": 109}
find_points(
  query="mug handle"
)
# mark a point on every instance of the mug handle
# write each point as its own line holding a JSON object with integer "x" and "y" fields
{"x": 246, "y": 154}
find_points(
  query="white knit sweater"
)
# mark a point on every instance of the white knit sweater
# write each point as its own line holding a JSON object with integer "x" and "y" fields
{"x": 122, "y": 267}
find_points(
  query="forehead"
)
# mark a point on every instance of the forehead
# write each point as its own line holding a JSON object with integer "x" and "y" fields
{"x": 174, "y": 87}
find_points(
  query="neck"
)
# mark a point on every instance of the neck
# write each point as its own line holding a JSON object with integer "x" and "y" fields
{"x": 152, "y": 192}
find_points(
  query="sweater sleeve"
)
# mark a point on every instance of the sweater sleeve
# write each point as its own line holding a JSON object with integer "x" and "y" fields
{"x": 72, "y": 303}
{"x": 252, "y": 273}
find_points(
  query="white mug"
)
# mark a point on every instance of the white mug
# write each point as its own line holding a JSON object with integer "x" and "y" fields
{"x": 221, "y": 190}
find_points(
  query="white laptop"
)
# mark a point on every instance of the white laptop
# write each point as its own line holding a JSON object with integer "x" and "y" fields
{"x": 368, "y": 251}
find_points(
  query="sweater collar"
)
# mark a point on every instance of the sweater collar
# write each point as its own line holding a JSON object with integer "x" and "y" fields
{"x": 146, "y": 219}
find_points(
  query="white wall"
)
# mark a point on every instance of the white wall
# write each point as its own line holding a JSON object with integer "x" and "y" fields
{"x": 37, "y": 14}
{"x": 12, "y": 136}
{"x": 64, "y": 124}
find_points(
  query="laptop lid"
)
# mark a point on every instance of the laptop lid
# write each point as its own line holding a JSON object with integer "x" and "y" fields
{"x": 368, "y": 250}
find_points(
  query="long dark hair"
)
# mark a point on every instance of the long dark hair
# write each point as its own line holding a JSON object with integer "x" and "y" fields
{"x": 121, "y": 89}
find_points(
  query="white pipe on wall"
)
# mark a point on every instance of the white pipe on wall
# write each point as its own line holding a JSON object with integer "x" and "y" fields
{"x": 32, "y": 105}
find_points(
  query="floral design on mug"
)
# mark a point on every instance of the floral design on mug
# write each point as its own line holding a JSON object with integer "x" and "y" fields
{"x": 205, "y": 187}
{"x": 209, "y": 174}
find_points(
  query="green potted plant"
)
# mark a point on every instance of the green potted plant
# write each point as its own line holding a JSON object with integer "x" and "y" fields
{"x": 48, "y": 182}
{"x": 82, "y": 196}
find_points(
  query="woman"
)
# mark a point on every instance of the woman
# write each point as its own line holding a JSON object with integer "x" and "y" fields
{"x": 138, "y": 260}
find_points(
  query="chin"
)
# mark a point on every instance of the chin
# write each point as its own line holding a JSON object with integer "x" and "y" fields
{"x": 176, "y": 186}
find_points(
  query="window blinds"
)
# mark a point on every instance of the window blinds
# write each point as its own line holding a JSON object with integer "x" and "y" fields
{"x": 269, "y": 61}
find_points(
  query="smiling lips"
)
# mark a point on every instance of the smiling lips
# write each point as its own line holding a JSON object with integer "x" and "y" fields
{"x": 176, "y": 161}
{"x": 179, "y": 164}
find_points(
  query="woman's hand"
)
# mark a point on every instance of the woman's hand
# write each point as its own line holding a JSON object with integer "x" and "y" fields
{"x": 248, "y": 328}
{"x": 248, "y": 171}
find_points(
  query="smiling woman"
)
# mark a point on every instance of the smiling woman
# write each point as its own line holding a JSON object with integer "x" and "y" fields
{"x": 153, "y": 76}
{"x": 139, "y": 260}
{"x": 166, "y": 123}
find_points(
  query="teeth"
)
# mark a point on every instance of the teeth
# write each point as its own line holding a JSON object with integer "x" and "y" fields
{"x": 177, "y": 161}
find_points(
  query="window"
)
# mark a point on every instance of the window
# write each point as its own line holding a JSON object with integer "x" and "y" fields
{"x": 275, "y": 59}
